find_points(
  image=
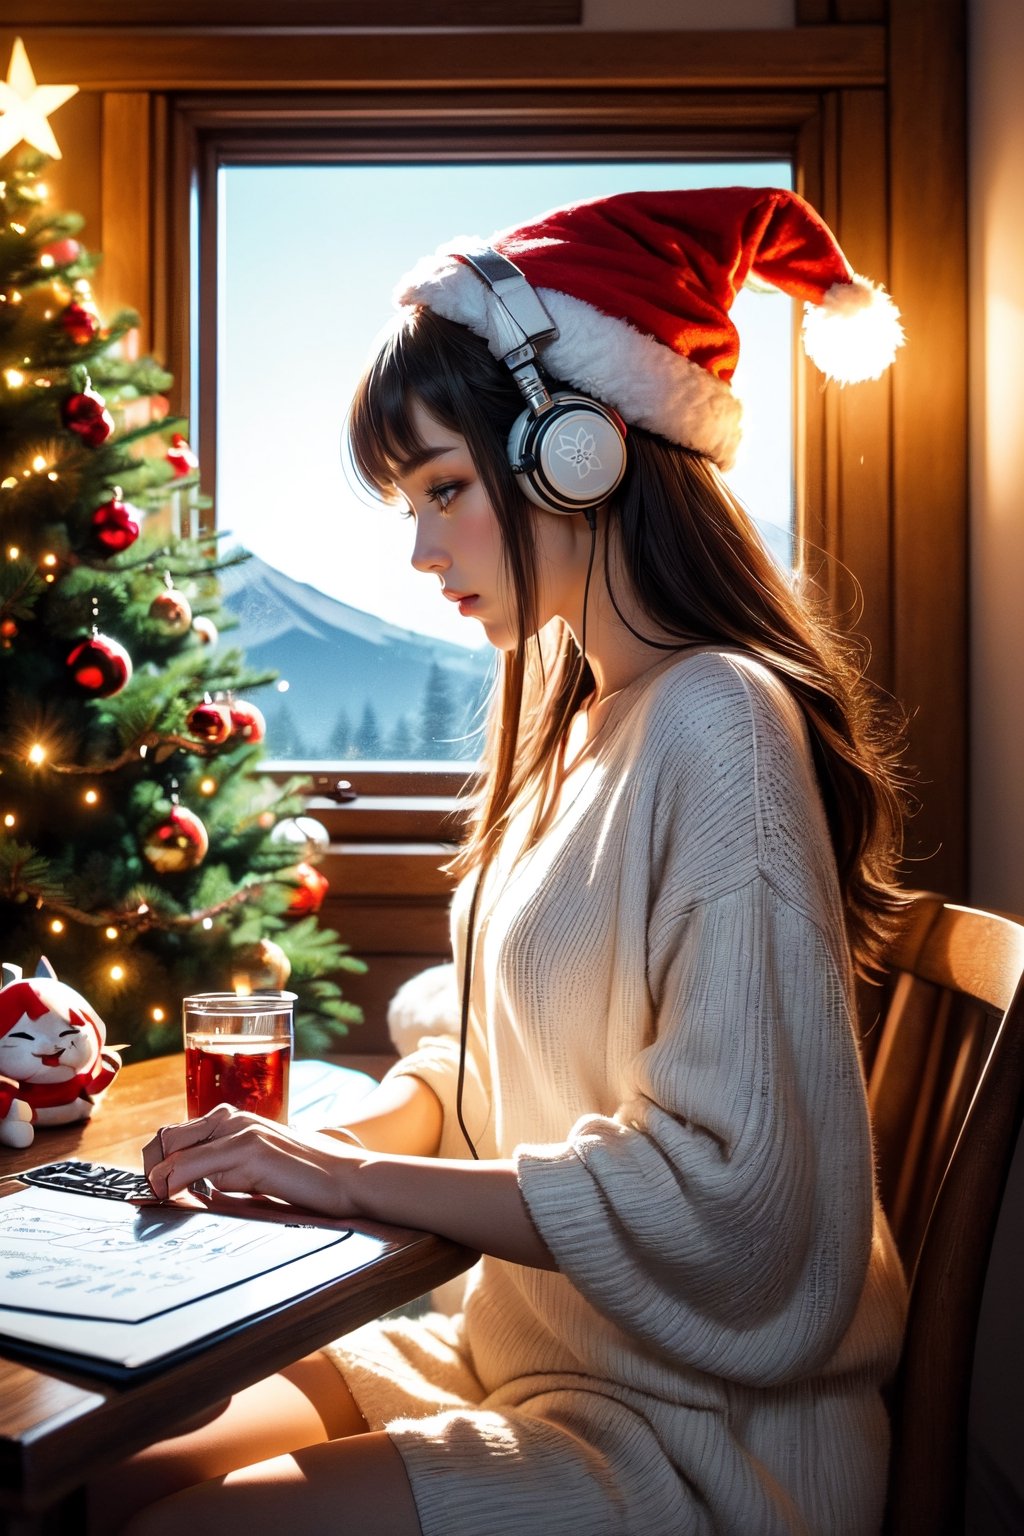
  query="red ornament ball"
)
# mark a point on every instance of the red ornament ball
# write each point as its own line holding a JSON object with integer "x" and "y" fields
{"x": 80, "y": 323}
{"x": 210, "y": 722}
{"x": 180, "y": 456}
{"x": 178, "y": 843}
{"x": 63, "y": 253}
{"x": 87, "y": 416}
{"x": 171, "y": 610}
{"x": 100, "y": 666}
{"x": 309, "y": 894}
{"x": 115, "y": 526}
{"x": 205, "y": 630}
{"x": 247, "y": 722}
{"x": 8, "y": 633}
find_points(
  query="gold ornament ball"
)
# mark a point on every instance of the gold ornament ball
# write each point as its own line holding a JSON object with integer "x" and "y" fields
{"x": 172, "y": 611}
{"x": 261, "y": 966}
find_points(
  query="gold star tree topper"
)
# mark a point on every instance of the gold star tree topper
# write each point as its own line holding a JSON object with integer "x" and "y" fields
{"x": 25, "y": 106}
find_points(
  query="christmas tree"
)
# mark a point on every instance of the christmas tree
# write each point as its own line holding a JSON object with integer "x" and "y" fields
{"x": 139, "y": 848}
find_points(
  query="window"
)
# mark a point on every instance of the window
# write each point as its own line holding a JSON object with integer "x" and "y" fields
{"x": 854, "y": 97}
{"x": 372, "y": 665}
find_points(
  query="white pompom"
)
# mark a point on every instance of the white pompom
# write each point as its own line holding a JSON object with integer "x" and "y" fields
{"x": 855, "y": 333}
{"x": 426, "y": 1004}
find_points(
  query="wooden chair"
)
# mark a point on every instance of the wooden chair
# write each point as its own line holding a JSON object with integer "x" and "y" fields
{"x": 946, "y": 1089}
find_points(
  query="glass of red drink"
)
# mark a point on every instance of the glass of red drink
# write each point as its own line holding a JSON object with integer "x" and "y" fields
{"x": 238, "y": 1050}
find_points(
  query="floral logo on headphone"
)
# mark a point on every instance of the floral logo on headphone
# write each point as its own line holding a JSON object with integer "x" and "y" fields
{"x": 579, "y": 450}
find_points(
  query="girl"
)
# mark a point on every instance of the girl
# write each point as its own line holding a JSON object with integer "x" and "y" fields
{"x": 684, "y": 843}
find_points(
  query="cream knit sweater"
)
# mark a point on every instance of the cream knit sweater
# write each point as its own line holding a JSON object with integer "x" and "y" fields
{"x": 661, "y": 1036}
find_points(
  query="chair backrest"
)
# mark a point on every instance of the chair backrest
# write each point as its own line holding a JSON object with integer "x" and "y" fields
{"x": 946, "y": 1090}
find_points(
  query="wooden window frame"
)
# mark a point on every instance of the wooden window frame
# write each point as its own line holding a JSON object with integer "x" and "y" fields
{"x": 867, "y": 98}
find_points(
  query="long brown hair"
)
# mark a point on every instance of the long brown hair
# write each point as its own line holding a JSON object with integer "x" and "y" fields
{"x": 700, "y": 571}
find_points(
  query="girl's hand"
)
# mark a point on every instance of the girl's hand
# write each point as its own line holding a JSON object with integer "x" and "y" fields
{"x": 242, "y": 1153}
{"x": 477, "y": 1204}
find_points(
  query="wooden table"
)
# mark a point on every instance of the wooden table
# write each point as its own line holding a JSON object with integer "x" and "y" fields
{"x": 57, "y": 1426}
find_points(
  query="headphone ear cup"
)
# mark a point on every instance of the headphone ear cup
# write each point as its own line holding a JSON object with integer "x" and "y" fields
{"x": 571, "y": 456}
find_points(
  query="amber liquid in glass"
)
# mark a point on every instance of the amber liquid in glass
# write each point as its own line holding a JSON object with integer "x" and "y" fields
{"x": 251, "y": 1074}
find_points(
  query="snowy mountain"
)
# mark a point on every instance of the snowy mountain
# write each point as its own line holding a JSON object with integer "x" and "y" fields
{"x": 357, "y": 685}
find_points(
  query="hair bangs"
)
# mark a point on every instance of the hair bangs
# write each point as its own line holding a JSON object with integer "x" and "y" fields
{"x": 381, "y": 434}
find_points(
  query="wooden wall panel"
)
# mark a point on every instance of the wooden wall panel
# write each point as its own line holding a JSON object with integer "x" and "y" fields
{"x": 863, "y": 414}
{"x": 125, "y": 279}
{"x": 815, "y": 170}
{"x": 927, "y": 147}
{"x": 127, "y": 59}
{"x": 76, "y": 180}
{"x": 389, "y": 902}
{"x": 318, "y": 15}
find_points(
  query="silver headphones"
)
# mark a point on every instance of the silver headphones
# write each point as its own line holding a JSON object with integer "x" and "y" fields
{"x": 567, "y": 452}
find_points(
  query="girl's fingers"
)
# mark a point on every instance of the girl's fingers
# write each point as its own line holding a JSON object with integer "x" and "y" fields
{"x": 255, "y": 1158}
{"x": 228, "y": 1161}
{"x": 218, "y": 1122}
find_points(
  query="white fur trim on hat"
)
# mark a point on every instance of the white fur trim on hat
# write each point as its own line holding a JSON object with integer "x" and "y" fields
{"x": 645, "y": 381}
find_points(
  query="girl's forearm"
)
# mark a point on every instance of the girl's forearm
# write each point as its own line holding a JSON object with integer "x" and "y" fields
{"x": 477, "y": 1204}
{"x": 401, "y": 1115}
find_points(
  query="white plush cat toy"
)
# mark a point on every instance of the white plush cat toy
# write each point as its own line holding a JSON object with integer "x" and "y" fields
{"x": 53, "y": 1061}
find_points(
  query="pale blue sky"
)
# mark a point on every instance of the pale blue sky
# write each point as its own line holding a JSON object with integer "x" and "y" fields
{"x": 310, "y": 256}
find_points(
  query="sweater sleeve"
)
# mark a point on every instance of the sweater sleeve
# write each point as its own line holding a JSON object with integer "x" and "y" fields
{"x": 723, "y": 1215}
{"x": 435, "y": 1061}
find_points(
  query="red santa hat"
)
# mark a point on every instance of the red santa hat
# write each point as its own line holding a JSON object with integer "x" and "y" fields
{"x": 640, "y": 287}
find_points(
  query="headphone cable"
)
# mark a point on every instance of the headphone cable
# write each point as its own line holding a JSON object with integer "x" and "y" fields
{"x": 657, "y": 645}
{"x": 590, "y": 514}
{"x": 467, "y": 978}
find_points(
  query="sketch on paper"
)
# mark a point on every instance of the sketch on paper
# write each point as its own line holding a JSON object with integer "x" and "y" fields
{"x": 71, "y": 1255}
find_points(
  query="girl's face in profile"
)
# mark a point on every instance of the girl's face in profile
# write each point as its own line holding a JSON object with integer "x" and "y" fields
{"x": 458, "y": 538}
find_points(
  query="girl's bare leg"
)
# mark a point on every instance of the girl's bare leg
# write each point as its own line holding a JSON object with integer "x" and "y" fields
{"x": 351, "y": 1487}
{"x": 303, "y": 1406}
